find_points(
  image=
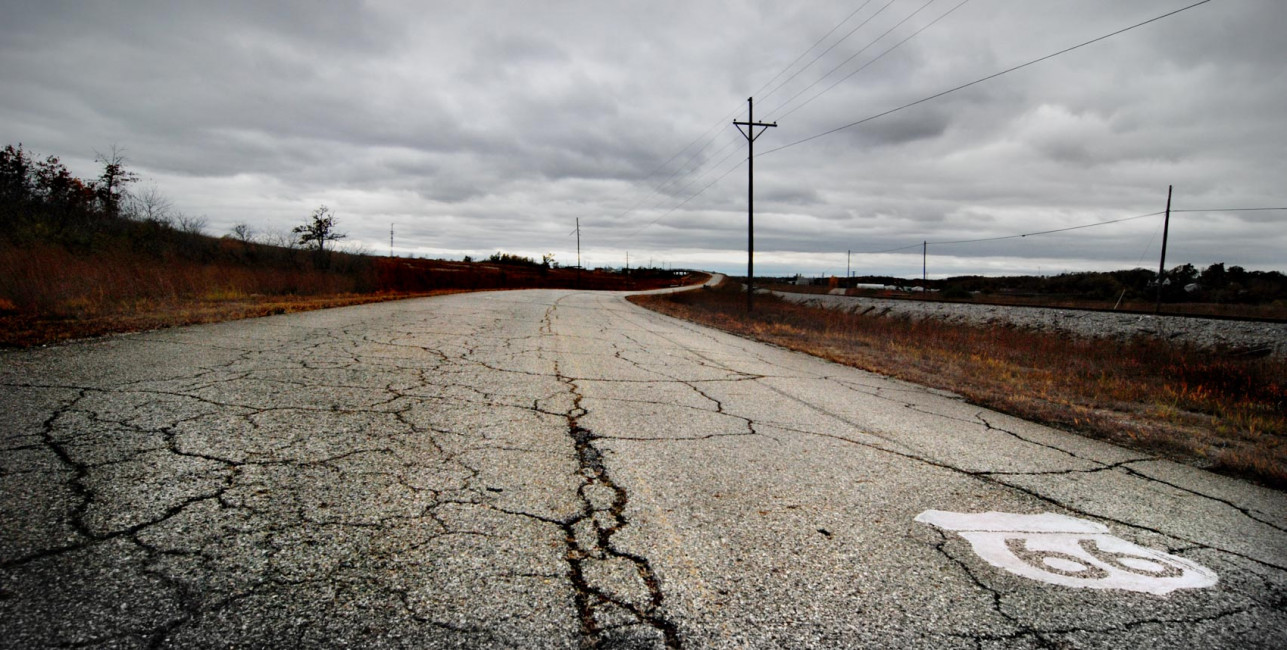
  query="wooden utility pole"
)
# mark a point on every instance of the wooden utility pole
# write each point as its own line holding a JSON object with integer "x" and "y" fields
{"x": 924, "y": 275}
{"x": 1161, "y": 267}
{"x": 750, "y": 134}
{"x": 390, "y": 241}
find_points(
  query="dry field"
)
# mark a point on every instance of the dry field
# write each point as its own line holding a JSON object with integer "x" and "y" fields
{"x": 49, "y": 294}
{"x": 26, "y": 329}
{"x": 1197, "y": 406}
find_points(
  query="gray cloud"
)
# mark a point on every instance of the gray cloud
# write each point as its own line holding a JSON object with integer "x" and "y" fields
{"x": 482, "y": 126}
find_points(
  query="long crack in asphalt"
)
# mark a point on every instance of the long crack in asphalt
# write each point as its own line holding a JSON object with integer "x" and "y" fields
{"x": 391, "y": 485}
{"x": 608, "y": 619}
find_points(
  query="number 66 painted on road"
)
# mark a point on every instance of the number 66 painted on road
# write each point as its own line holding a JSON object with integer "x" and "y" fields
{"x": 1071, "y": 552}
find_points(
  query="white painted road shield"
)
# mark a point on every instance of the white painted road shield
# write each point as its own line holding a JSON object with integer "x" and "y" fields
{"x": 1071, "y": 552}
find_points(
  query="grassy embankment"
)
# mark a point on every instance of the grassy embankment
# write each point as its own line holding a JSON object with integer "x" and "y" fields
{"x": 83, "y": 257}
{"x": 1198, "y": 406}
{"x": 49, "y": 293}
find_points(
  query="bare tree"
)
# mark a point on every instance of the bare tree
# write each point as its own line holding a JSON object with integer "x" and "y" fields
{"x": 190, "y": 225}
{"x": 149, "y": 205}
{"x": 114, "y": 179}
{"x": 243, "y": 232}
{"x": 318, "y": 230}
{"x": 279, "y": 238}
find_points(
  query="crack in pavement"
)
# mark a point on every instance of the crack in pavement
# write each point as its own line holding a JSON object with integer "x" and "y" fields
{"x": 605, "y": 612}
{"x": 429, "y": 479}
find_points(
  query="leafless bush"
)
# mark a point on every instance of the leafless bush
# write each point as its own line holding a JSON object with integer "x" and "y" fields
{"x": 149, "y": 204}
{"x": 279, "y": 238}
{"x": 243, "y": 232}
{"x": 190, "y": 225}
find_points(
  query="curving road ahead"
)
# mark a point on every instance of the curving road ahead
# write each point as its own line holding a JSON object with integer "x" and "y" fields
{"x": 561, "y": 469}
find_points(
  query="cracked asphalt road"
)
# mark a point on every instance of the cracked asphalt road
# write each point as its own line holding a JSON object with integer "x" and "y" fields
{"x": 562, "y": 469}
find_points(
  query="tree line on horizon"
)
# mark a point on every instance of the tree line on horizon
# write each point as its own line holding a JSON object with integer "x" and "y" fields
{"x": 79, "y": 248}
{"x": 1217, "y": 283}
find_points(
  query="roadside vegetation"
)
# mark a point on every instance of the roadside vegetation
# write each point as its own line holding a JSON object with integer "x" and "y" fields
{"x": 1210, "y": 408}
{"x": 85, "y": 257}
{"x": 1216, "y": 290}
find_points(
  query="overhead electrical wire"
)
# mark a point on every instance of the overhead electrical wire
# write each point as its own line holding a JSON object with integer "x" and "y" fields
{"x": 681, "y": 204}
{"x": 851, "y": 57}
{"x": 824, "y": 52}
{"x": 1047, "y": 232}
{"x": 951, "y": 90}
{"x": 1231, "y": 210}
{"x": 658, "y": 188}
{"x": 775, "y": 89}
{"x": 873, "y": 60}
{"x": 695, "y": 178}
{"x": 683, "y": 170}
{"x": 1018, "y": 236}
{"x": 707, "y": 134}
{"x": 981, "y": 79}
{"x": 1151, "y": 238}
{"x": 927, "y": 99}
{"x": 1057, "y": 230}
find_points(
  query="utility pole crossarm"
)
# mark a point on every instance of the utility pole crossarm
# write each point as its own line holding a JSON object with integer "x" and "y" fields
{"x": 750, "y": 134}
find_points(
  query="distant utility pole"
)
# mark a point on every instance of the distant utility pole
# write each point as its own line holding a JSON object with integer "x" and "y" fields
{"x": 924, "y": 275}
{"x": 1161, "y": 267}
{"x": 390, "y": 241}
{"x": 578, "y": 251}
{"x": 750, "y": 134}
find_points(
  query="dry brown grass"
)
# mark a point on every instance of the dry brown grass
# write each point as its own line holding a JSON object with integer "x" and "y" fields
{"x": 25, "y": 329}
{"x": 1199, "y": 406}
{"x": 49, "y": 293}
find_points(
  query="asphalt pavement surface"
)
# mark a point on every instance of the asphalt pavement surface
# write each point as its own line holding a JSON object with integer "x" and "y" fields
{"x": 563, "y": 469}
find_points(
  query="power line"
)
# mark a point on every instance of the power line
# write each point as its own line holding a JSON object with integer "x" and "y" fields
{"x": 719, "y": 178}
{"x": 724, "y": 120}
{"x": 892, "y": 250}
{"x": 983, "y": 79}
{"x": 854, "y": 55}
{"x": 677, "y": 177}
{"x": 832, "y": 47}
{"x": 1018, "y": 236}
{"x": 921, "y": 101}
{"x": 851, "y": 32}
{"x": 1056, "y": 230}
{"x": 1046, "y": 232}
{"x": 874, "y": 59}
{"x": 1231, "y": 210}
{"x": 802, "y": 54}
{"x": 698, "y": 177}
{"x": 706, "y": 135}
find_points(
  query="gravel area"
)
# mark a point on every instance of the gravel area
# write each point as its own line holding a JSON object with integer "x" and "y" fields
{"x": 1239, "y": 335}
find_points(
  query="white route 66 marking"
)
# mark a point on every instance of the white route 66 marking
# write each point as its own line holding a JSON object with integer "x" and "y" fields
{"x": 1071, "y": 552}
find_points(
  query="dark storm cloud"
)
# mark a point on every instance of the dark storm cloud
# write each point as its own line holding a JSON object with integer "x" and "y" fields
{"x": 495, "y": 125}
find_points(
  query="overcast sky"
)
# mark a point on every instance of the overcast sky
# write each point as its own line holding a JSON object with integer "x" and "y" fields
{"x": 474, "y": 126}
